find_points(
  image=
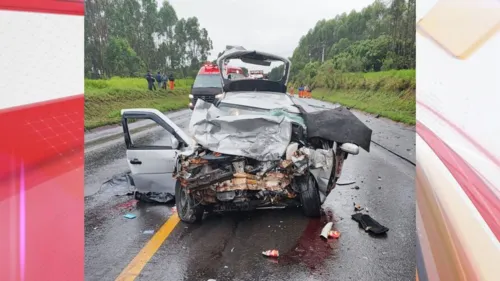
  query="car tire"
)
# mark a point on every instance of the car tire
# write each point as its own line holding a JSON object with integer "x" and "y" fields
{"x": 186, "y": 209}
{"x": 309, "y": 197}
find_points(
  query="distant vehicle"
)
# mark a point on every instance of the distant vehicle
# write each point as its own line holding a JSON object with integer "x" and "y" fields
{"x": 257, "y": 74}
{"x": 207, "y": 85}
{"x": 234, "y": 70}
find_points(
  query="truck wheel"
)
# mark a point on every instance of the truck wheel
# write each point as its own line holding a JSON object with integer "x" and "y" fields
{"x": 309, "y": 196}
{"x": 186, "y": 209}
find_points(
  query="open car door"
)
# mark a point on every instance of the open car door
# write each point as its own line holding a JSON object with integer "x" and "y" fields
{"x": 152, "y": 154}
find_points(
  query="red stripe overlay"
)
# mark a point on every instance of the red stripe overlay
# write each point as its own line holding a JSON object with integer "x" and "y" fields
{"x": 66, "y": 7}
{"x": 41, "y": 191}
{"x": 483, "y": 150}
{"x": 484, "y": 200}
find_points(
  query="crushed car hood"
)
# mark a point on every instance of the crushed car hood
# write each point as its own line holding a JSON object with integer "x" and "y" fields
{"x": 262, "y": 100}
{"x": 261, "y": 137}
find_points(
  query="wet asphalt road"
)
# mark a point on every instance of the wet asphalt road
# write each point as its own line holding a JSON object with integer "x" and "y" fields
{"x": 229, "y": 247}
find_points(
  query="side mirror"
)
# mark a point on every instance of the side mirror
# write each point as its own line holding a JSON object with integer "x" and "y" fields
{"x": 350, "y": 148}
{"x": 175, "y": 142}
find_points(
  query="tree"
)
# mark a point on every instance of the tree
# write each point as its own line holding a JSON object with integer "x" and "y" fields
{"x": 144, "y": 32}
{"x": 380, "y": 36}
{"x": 121, "y": 59}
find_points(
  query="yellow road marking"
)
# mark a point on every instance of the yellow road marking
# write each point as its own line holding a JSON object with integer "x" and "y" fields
{"x": 135, "y": 267}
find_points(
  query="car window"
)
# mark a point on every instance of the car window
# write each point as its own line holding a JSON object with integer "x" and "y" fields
{"x": 154, "y": 136}
{"x": 208, "y": 81}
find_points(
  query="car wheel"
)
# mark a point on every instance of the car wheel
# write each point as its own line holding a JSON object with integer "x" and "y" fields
{"x": 186, "y": 209}
{"x": 309, "y": 196}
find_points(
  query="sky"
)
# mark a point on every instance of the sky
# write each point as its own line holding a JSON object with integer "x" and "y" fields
{"x": 272, "y": 26}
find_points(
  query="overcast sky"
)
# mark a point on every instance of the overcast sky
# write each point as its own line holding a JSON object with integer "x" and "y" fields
{"x": 273, "y": 26}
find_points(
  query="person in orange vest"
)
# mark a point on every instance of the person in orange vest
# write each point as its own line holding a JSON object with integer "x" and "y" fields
{"x": 301, "y": 91}
{"x": 171, "y": 81}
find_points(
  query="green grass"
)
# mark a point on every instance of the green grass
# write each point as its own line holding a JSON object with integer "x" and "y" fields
{"x": 119, "y": 83}
{"x": 398, "y": 106}
{"x": 104, "y": 99}
{"x": 387, "y": 81}
{"x": 390, "y": 94}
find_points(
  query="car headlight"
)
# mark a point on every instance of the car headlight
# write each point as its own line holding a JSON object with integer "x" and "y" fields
{"x": 219, "y": 96}
{"x": 191, "y": 96}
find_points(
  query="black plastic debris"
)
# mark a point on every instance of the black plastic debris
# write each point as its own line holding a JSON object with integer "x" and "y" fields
{"x": 369, "y": 224}
{"x": 155, "y": 197}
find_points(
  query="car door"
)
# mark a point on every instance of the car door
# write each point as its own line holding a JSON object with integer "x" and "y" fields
{"x": 152, "y": 153}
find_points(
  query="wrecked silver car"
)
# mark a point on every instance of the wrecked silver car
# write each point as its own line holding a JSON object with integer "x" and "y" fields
{"x": 257, "y": 148}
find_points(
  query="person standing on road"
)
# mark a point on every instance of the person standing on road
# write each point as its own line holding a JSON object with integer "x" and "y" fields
{"x": 151, "y": 81}
{"x": 171, "y": 80}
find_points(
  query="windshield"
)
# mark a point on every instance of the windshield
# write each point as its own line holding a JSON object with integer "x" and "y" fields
{"x": 207, "y": 81}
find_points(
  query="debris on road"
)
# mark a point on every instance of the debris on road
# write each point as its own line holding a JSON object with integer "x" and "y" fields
{"x": 271, "y": 253}
{"x": 358, "y": 208}
{"x": 334, "y": 234}
{"x": 326, "y": 229}
{"x": 149, "y": 231}
{"x": 356, "y": 187}
{"x": 346, "y": 183}
{"x": 130, "y": 216}
{"x": 155, "y": 197}
{"x": 174, "y": 209}
{"x": 369, "y": 224}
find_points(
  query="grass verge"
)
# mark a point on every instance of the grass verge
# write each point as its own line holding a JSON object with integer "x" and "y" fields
{"x": 104, "y": 99}
{"x": 397, "y": 106}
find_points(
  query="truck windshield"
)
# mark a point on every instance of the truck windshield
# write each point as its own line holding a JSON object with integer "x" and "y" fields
{"x": 207, "y": 81}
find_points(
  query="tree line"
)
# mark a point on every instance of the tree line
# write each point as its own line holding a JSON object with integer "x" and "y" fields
{"x": 379, "y": 37}
{"x": 129, "y": 37}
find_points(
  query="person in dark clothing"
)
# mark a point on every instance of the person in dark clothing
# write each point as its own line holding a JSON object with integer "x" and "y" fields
{"x": 159, "y": 80}
{"x": 164, "y": 82}
{"x": 171, "y": 81}
{"x": 151, "y": 81}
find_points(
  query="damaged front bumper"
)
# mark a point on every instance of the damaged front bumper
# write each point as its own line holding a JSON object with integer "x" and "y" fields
{"x": 234, "y": 182}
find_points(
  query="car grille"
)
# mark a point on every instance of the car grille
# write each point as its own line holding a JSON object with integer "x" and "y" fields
{"x": 209, "y": 99}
